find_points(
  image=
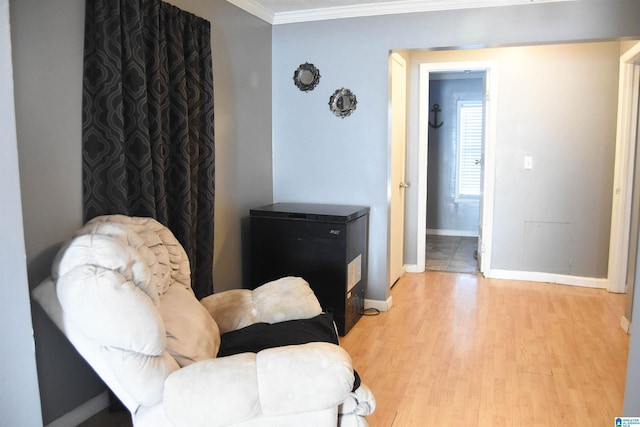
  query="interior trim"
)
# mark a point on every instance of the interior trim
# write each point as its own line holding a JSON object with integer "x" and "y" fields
{"x": 625, "y": 324}
{"x": 626, "y": 136}
{"x": 560, "y": 279}
{"x": 370, "y": 9}
{"x": 452, "y": 233}
{"x": 532, "y": 276}
{"x": 381, "y": 305}
{"x": 256, "y": 9}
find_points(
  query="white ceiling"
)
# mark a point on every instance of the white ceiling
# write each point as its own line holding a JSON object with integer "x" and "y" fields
{"x": 289, "y": 11}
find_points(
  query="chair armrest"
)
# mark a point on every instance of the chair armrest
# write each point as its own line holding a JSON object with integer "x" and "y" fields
{"x": 277, "y": 381}
{"x": 231, "y": 309}
{"x": 284, "y": 299}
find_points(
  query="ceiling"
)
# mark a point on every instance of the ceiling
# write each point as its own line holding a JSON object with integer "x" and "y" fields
{"x": 289, "y": 11}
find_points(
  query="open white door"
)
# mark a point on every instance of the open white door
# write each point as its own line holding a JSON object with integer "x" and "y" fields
{"x": 488, "y": 169}
{"x": 398, "y": 108}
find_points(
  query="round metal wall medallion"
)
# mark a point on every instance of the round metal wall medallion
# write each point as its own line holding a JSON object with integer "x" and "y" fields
{"x": 306, "y": 77}
{"x": 343, "y": 102}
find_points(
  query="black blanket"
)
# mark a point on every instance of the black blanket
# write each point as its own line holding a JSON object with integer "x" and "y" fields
{"x": 260, "y": 336}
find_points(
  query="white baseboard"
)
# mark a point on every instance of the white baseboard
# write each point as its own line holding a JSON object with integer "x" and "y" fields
{"x": 82, "y": 412}
{"x": 378, "y": 304}
{"x": 625, "y": 325}
{"x": 562, "y": 279}
{"x": 455, "y": 233}
{"x": 413, "y": 268}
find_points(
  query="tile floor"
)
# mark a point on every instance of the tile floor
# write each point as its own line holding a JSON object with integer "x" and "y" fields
{"x": 452, "y": 253}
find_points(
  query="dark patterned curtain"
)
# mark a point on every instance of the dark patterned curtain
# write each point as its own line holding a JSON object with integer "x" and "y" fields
{"x": 147, "y": 125}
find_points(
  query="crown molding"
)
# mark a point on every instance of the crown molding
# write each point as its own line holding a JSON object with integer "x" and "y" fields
{"x": 256, "y": 9}
{"x": 392, "y": 8}
{"x": 371, "y": 9}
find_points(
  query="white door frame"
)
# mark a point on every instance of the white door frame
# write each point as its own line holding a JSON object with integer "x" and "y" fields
{"x": 627, "y": 133}
{"x": 486, "y": 216}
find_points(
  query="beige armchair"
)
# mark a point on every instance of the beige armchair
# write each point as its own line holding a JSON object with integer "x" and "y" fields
{"x": 120, "y": 291}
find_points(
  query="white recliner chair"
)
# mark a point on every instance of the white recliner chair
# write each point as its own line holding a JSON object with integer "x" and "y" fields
{"x": 120, "y": 291}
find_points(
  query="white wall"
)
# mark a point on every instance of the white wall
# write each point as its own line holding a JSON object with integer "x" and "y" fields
{"x": 320, "y": 158}
{"x": 19, "y": 396}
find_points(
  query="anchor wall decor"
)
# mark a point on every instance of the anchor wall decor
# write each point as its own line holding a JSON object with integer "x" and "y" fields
{"x": 435, "y": 110}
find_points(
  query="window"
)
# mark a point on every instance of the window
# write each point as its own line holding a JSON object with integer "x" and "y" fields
{"x": 469, "y": 171}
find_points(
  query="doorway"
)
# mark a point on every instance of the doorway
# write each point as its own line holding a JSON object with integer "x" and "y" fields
{"x": 454, "y": 175}
{"x": 602, "y": 54}
{"x": 461, "y": 195}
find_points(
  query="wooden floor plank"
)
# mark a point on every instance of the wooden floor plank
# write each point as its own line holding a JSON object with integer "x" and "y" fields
{"x": 459, "y": 349}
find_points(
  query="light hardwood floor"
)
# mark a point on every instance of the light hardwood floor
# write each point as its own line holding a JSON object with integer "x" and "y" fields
{"x": 459, "y": 349}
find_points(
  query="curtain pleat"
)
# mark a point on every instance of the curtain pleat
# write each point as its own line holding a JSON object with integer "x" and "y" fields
{"x": 148, "y": 141}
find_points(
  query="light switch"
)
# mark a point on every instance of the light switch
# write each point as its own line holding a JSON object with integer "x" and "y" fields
{"x": 528, "y": 162}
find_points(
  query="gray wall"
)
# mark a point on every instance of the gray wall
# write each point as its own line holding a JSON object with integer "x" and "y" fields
{"x": 19, "y": 398}
{"x": 47, "y": 43}
{"x": 242, "y": 85}
{"x": 318, "y": 157}
{"x": 444, "y": 211}
{"x": 47, "y": 54}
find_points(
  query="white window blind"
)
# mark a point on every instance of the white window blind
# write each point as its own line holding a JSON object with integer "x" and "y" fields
{"x": 469, "y": 148}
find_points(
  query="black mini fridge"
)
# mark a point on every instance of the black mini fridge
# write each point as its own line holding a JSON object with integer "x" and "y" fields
{"x": 324, "y": 244}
